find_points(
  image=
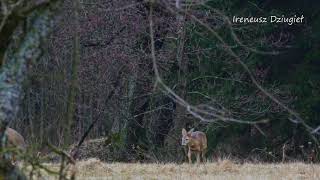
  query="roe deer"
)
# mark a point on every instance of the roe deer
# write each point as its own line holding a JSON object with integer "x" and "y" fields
{"x": 196, "y": 142}
{"x": 16, "y": 141}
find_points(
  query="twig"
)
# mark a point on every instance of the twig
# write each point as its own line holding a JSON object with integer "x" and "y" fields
{"x": 191, "y": 109}
{"x": 61, "y": 152}
{"x": 75, "y": 150}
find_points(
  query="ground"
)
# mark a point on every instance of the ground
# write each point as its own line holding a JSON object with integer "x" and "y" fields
{"x": 224, "y": 170}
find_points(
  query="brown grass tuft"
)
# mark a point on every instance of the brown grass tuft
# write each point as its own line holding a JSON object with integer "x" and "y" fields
{"x": 227, "y": 165}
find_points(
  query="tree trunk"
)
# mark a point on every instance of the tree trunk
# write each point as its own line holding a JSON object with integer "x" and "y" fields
{"x": 179, "y": 121}
{"x": 74, "y": 75}
{"x": 17, "y": 60}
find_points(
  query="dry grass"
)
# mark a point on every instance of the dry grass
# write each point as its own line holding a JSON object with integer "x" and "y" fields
{"x": 224, "y": 170}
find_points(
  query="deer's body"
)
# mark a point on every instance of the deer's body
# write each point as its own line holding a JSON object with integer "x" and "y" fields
{"x": 15, "y": 140}
{"x": 196, "y": 142}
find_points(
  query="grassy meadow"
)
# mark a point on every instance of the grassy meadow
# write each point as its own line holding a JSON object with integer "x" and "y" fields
{"x": 224, "y": 170}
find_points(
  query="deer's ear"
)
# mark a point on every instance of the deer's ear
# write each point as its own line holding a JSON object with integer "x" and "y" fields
{"x": 184, "y": 132}
{"x": 191, "y": 130}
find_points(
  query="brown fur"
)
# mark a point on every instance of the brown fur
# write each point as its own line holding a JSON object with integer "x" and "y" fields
{"x": 197, "y": 143}
{"x": 15, "y": 140}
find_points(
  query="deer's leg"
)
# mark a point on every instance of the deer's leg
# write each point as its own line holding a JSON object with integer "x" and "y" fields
{"x": 189, "y": 156}
{"x": 203, "y": 154}
{"x": 198, "y": 157}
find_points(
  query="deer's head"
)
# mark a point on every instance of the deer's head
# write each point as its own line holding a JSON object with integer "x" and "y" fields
{"x": 186, "y": 136}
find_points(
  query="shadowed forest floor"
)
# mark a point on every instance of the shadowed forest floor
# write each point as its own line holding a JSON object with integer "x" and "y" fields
{"x": 224, "y": 170}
